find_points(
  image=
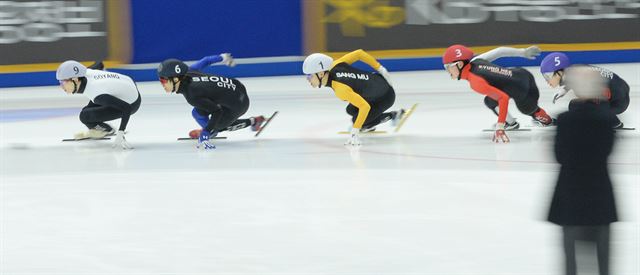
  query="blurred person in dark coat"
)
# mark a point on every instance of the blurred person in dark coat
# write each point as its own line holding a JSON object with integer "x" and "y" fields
{"x": 583, "y": 202}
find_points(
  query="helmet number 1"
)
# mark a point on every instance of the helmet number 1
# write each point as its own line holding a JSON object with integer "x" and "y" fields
{"x": 321, "y": 66}
{"x": 177, "y": 69}
{"x": 557, "y": 60}
{"x": 458, "y": 53}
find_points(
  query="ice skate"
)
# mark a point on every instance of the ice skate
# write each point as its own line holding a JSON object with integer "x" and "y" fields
{"x": 397, "y": 116}
{"x": 258, "y": 121}
{"x": 97, "y": 132}
{"x": 541, "y": 118}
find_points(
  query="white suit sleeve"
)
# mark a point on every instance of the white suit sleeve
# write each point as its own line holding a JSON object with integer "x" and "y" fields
{"x": 500, "y": 52}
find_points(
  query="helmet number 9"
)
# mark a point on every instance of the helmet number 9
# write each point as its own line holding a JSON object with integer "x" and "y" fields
{"x": 557, "y": 60}
{"x": 76, "y": 70}
{"x": 177, "y": 69}
{"x": 458, "y": 53}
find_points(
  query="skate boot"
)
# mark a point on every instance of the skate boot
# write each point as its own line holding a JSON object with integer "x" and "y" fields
{"x": 511, "y": 126}
{"x": 397, "y": 116}
{"x": 367, "y": 130}
{"x": 105, "y": 128}
{"x": 98, "y": 132}
{"x": 194, "y": 134}
{"x": 258, "y": 121}
{"x": 542, "y": 118}
{"x": 617, "y": 124}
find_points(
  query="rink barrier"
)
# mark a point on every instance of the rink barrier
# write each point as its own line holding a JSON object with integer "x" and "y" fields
{"x": 280, "y": 66}
{"x": 333, "y": 26}
{"x": 195, "y": 28}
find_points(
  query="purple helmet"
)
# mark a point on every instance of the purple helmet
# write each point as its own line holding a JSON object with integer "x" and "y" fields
{"x": 554, "y": 62}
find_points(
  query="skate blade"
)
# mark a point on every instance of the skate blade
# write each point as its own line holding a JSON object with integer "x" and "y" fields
{"x": 265, "y": 124}
{"x": 404, "y": 117}
{"x": 188, "y": 138}
{"x": 363, "y": 133}
{"x": 512, "y": 130}
{"x": 82, "y": 139}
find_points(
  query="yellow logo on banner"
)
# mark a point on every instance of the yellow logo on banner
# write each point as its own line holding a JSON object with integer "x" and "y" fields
{"x": 354, "y": 15}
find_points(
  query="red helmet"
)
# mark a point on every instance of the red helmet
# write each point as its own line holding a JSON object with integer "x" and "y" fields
{"x": 456, "y": 53}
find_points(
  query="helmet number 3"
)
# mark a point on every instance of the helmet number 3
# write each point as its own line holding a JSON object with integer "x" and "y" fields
{"x": 177, "y": 69}
{"x": 557, "y": 60}
{"x": 458, "y": 53}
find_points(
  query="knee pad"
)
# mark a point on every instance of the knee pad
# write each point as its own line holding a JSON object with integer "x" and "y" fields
{"x": 202, "y": 120}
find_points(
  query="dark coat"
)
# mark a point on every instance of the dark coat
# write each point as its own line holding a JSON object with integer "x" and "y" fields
{"x": 584, "y": 140}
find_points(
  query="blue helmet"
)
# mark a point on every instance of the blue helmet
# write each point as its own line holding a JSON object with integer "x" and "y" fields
{"x": 554, "y": 62}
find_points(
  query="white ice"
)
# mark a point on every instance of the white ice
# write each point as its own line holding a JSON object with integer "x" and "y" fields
{"x": 437, "y": 198}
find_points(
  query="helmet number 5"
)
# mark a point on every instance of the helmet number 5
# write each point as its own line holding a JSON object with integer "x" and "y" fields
{"x": 557, "y": 60}
{"x": 177, "y": 69}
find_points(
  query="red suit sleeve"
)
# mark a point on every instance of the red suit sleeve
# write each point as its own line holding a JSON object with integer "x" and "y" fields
{"x": 481, "y": 86}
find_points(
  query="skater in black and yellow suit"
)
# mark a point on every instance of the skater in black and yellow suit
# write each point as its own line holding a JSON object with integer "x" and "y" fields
{"x": 369, "y": 94}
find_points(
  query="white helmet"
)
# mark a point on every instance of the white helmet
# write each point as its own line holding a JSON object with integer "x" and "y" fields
{"x": 316, "y": 63}
{"x": 70, "y": 69}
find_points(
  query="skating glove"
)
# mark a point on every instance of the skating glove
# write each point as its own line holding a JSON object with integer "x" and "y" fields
{"x": 121, "y": 141}
{"x": 354, "y": 140}
{"x": 202, "y": 120}
{"x": 500, "y": 135}
{"x": 227, "y": 59}
{"x": 532, "y": 52}
{"x": 559, "y": 94}
{"x": 203, "y": 140}
{"x": 383, "y": 71}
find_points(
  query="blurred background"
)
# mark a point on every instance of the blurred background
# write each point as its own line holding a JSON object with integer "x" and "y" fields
{"x": 270, "y": 37}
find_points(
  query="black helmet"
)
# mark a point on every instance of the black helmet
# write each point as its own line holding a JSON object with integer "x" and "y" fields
{"x": 172, "y": 68}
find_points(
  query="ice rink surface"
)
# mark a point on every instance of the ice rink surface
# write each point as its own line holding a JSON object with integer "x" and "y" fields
{"x": 437, "y": 198}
